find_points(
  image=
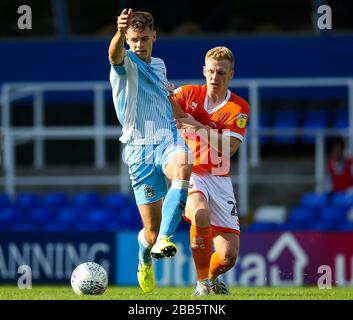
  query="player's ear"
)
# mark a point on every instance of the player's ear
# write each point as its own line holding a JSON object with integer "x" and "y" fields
{"x": 232, "y": 74}
{"x": 154, "y": 36}
{"x": 127, "y": 39}
{"x": 204, "y": 71}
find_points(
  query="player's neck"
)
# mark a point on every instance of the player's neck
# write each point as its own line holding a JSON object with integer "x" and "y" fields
{"x": 214, "y": 99}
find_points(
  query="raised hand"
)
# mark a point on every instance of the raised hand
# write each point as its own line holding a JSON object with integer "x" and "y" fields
{"x": 170, "y": 88}
{"x": 124, "y": 20}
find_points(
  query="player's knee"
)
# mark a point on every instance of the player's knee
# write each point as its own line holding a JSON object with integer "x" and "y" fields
{"x": 229, "y": 258}
{"x": 202, "y": 217}
{"x": 182, "y": 172}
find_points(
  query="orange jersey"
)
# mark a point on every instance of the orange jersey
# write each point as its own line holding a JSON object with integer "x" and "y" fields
{"x": 229, "y": 118}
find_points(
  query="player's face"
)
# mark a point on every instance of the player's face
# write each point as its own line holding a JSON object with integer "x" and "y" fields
{"x": 218, "y": 73}
{"x": 141, "y": 42}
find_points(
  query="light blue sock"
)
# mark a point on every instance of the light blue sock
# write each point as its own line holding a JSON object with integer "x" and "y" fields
{"x": 173, "y": 207}
{"x": 144, "y": 248}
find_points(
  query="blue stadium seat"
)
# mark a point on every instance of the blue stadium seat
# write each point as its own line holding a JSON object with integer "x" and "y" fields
{"x": 346, "y": 226}
{"x": 314, "y": 200}
{"x": 340, "y": 118}
{"x": 25, "y": 227}
{"x": 104, "y": 216}
{"x": 114, "y": 226}
{"x": 125, "y": 210}
{"x": 287, "y": 226}
{"x": 314, "y": 203}
{"x": 40, "y": 215}
{"x": 129, "y": 219}
{"x": 262, "y": 226}
{"x": 301, "y": 218}
{"x": 86, "y": 200}
{"x": 5, "y": 227}
{"x": 55, "y": 200}
{"x": 116, "y": 201}
{"x": 314, "y": 119}
{"x": 11, "y": 215}
{"x": 88, "y": 227}
{"x": 69, "y": 216}
{"x": 285, "y": 119}
{"x": 330, "y": 219}
{"x": 27, "y": 200}
{"x": 5, "y": 201}
{"x": 56, "y": 227}
{"x": 342, "y": 201}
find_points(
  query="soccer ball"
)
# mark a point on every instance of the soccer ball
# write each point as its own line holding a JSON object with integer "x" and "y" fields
{"x": 89, "y": 278}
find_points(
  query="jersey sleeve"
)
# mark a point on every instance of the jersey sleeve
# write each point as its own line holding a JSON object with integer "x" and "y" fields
{"x": 163, "y": 67}
{"x": 180, "y": 97}
{"x": 121, "y": 68}
{"x": 165, "y": 77}
{"x": 236, "y": 125}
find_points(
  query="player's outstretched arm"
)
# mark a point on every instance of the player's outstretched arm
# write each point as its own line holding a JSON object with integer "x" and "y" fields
{"x": 116, "y": 47}
{"x": 188, "y": 123}
{"x": 177, "y": 110}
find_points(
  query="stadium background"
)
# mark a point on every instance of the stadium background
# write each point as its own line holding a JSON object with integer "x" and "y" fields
{"x": 62, "y": 202}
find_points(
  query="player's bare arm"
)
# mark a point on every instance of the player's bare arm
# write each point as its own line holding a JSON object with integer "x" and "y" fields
{"x": 188, "y": 123}
{"x": 234, "y": 144}
{"x": 185, "y": 121}
{"x": 116, "y": 48}
{"x": 182, "y": 118}
{"x": 178, "y": 112}
{"x": 226, "y": 145}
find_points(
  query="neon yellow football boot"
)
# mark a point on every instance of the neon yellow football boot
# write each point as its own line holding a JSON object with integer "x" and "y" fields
{"x": 163, "y": 248}
{"x": 145, "y": 277}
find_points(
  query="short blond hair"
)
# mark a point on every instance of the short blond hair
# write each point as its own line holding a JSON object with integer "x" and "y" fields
{"x": 220, "y": 53}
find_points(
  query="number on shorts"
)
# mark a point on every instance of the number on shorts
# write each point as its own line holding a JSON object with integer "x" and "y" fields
{"x": 234, "y": 210}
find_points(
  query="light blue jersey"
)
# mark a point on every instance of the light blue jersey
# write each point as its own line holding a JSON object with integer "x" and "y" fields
{"x": 141, "y": 102}
{"x": 143, "y": 109}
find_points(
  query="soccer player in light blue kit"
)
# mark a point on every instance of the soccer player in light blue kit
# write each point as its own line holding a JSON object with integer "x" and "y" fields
{"x": 154, "y": 150}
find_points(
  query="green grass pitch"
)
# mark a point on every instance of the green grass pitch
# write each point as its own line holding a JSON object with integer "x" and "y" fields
{"x": 175, "y": 293}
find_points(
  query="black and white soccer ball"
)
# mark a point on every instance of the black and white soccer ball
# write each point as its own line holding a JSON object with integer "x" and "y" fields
{"x": 89, "y": 278}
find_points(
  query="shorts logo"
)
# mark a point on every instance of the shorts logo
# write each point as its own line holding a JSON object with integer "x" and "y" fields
{"x": 241, "y": 120}
{"x": 149, "y": 192}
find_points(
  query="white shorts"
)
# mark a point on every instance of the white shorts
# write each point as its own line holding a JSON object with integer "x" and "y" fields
{"x": 220, "y": 197}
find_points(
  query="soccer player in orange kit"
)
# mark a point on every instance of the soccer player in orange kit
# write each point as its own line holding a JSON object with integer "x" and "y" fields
{"x": 213, "y": 121}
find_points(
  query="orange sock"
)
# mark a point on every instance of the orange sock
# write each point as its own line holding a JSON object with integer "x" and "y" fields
{"x": 201, "y": 248}
{"x": 216, "y": 266}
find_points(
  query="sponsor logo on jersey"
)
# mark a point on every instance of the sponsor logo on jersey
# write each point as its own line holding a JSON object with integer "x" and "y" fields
{"x": 193, "y": 105}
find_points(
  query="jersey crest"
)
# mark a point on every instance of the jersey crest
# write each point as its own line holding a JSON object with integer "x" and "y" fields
{"x": 241, "y": 120}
